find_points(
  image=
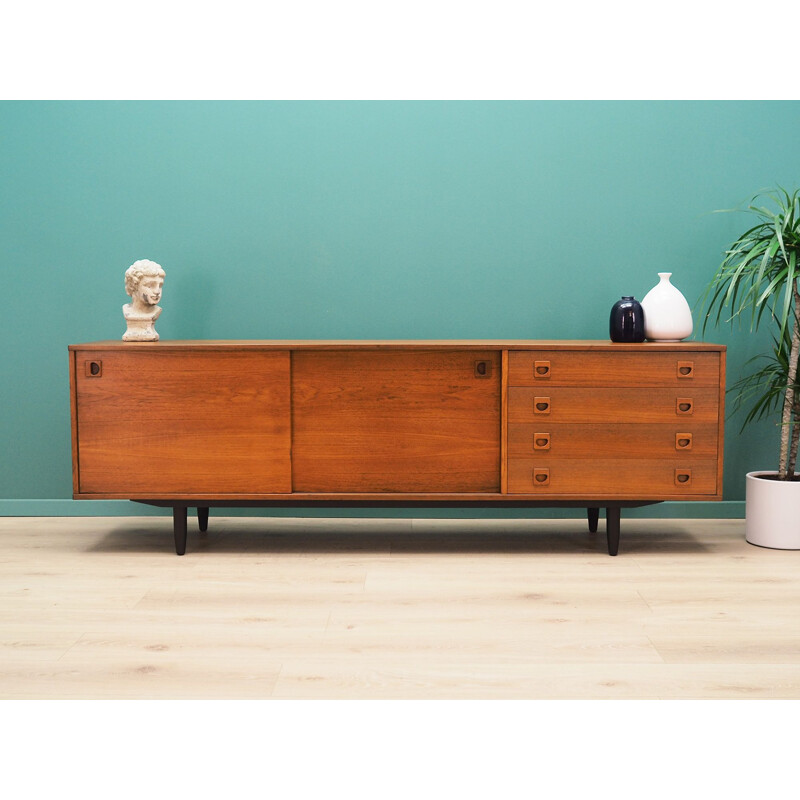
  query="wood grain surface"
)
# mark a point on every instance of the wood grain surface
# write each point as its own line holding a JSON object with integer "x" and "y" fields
{"x": 613, "y": 477}
{"x": 721, "y": 422}
{"x": 401, "y": 421}
{"x": 399, "y": 344}
{"x": 504, "y": 425}
{"x": 165, "y": 422}
{"x": 613, "y": 440}
{"x": 605, "y": 405}
{"x": 613, "y": 369}
{"x": 411, "y": 420}
{"x": 95, "y": 608}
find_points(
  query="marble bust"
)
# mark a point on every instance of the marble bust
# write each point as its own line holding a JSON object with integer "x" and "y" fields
{"x": 144, "y": 281}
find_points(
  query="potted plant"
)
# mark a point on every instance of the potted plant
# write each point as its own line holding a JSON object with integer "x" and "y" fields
{"x": 758, "y": 278}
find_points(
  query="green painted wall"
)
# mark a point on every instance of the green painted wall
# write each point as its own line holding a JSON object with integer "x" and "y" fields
{"x": 359, "y": 220}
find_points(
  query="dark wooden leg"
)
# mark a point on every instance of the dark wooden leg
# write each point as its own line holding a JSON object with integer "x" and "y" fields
{"x": 202, "y": 519}
{"x": 594, "y": 515}
{"x": 612, "y": 530}
{"x": 179, "y": 528}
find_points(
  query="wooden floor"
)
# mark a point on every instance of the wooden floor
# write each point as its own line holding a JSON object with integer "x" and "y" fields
{"x": 291, "y": 608}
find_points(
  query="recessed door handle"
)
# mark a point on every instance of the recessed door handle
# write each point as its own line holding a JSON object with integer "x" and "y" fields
{"x": 93, "y": 369}
{"x": 483, "y": 369}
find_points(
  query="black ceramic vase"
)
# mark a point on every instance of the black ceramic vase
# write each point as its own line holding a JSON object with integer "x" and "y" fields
{"x": 627, "y": 321}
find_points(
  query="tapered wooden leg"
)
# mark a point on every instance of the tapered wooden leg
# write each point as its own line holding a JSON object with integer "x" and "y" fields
{"x": 594, "y": 515}
{"x": 179, "y": 528}
{"x": 202, "y": 519}
{"x": 612, "y": 530}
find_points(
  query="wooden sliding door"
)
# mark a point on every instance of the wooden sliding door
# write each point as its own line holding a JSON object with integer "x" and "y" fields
{"x": 396, "y": 421}
{"x": 195, "y": 422}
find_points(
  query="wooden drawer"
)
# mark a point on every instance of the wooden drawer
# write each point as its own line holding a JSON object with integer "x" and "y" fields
{"x": 597, "y": 368}
{"x": 572, "y": 404}
{"x": 612, "y": 477}
{"x": 613, "y": 440}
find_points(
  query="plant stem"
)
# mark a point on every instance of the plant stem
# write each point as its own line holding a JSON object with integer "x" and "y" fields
{"x": 788, "y": 459}
{"x": 790, "y": 467}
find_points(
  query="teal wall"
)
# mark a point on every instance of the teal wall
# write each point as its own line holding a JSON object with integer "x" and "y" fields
{"x": 359, "y": 220}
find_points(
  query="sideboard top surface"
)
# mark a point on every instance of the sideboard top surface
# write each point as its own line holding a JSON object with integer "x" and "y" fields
{"x": 396, "y": 344}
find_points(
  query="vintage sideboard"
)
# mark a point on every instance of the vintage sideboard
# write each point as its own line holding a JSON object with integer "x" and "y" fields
{"x": 426, "y": 423}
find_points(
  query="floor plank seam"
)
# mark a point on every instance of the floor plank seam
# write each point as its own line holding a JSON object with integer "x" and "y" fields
{"x": 658, "y": 652}
{"x": 644, "y": 600}
{"x": 77, "y": 641}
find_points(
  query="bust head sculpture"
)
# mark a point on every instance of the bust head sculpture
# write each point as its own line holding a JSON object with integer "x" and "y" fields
{"x": 144, "y": 281}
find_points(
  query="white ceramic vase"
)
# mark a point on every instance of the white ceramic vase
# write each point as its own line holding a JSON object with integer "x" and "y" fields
{"x": 772, "y": 511}
{"x": 667, "y": 316}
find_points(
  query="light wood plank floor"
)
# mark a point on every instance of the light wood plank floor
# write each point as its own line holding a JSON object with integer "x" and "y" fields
{"x": 291, "y": 608}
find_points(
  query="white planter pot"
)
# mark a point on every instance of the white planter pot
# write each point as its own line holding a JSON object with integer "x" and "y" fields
{"x": 773, "y": 512}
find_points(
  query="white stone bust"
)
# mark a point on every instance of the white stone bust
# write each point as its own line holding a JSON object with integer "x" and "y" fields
{"x": 144, "y": 281}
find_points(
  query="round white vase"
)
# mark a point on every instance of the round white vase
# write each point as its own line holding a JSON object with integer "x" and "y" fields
{"x": 772, "y": 510}
{"x": 667, "y": 316}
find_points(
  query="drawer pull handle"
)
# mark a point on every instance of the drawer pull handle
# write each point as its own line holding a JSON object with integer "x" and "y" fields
{"x": 541, "y": 476}
{"x": 686, "y": 369}
{"x": 684, "y": 406}
{"x": 483, "y": 369}
{"x": 541, "y": 441}
{"x": 541, "y": 405}
{"x": 683, "y": 477}
{"x": 94, "y": 369}
{"x": 683, "y": 441}
{"x": 541, "y": 369}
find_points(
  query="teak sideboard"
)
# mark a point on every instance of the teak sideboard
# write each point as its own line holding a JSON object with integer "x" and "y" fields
{"x": 425, "y": 423}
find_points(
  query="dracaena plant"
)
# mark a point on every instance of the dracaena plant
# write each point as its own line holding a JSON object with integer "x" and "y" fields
{"x": 758, "y": 279}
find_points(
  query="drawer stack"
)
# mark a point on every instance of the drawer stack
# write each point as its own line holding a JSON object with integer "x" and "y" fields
{"x": 624, "y": 425}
